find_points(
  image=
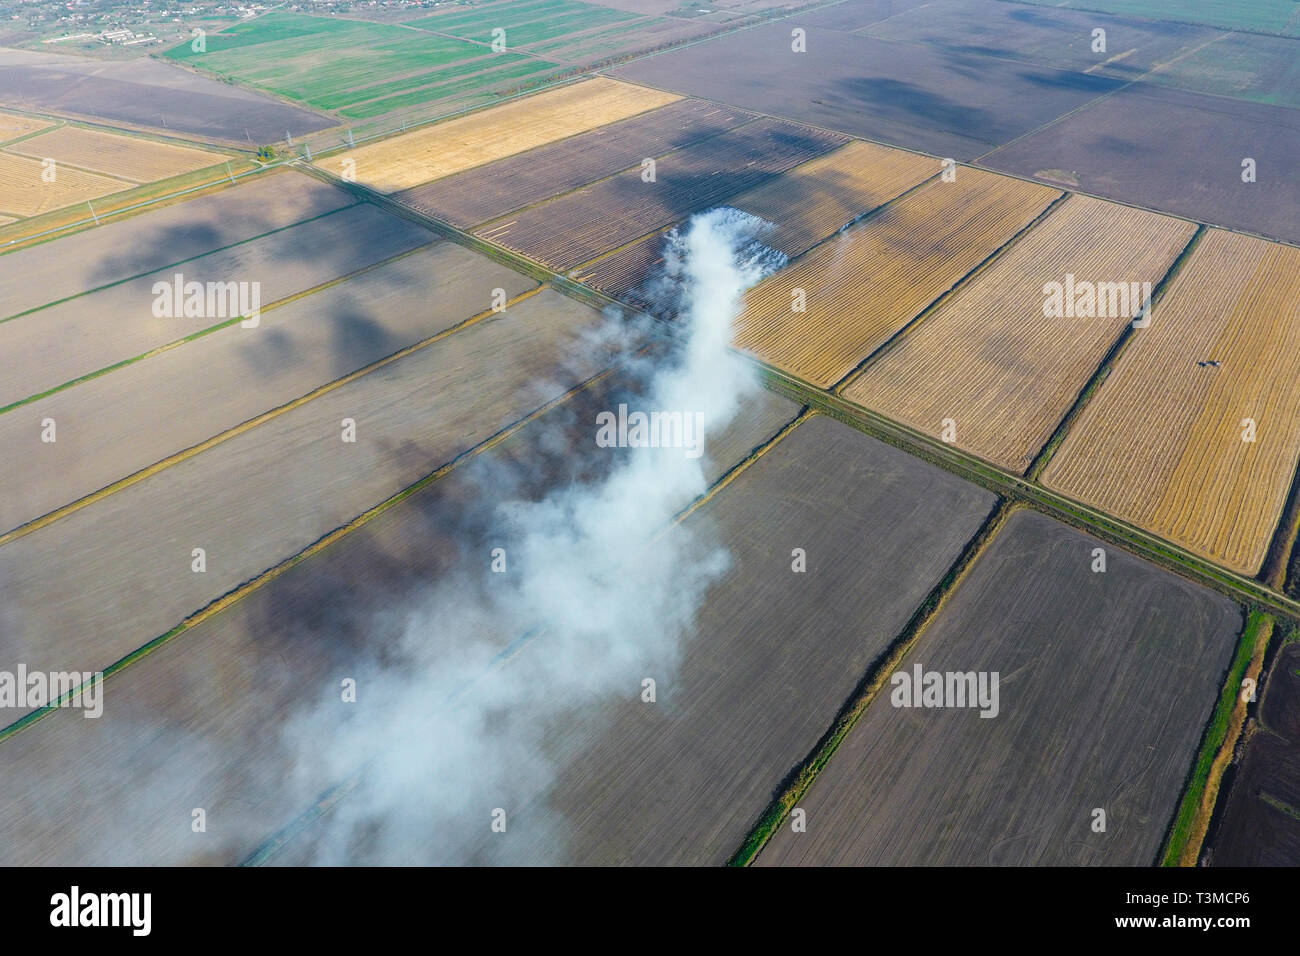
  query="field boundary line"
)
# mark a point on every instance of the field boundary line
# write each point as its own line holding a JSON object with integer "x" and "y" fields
{"x": 1276, "y": 570}
{"x": 1102, "y": 372}
{"x": 254, "y": 583}
{"x": 1190, "y": 824}
{"x": 803, "y": 776}
{"x": 172, "y": 265}
{"x": 176, "y": 458}
{"x": 201, "y": 333}
{"x": 946, "y": 295}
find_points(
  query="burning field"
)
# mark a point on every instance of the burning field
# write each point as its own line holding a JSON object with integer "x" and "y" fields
{"x": 707, "y": 457}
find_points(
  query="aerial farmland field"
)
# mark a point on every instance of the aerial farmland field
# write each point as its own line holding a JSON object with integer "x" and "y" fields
{"x": 680, "y": 782}
{"x": 947, "y": 787}
{"x": 1197, "y": 58}
{"x": 136, "y": 544}
{"x": 805, "y": 205}
{"x": 70, "y": 339}
{"x": 991, "y": 362}
{"x": 463, "y": 143}
{"x": 235, "y": 375}
{"x": 816, "y": 199}
{"x": 240, "y": 771}
{"x": 131, "y": 158}
{"x": 162, "y": 236}
{"x": 1265, "y": 16}
{"x": 149, "y": 94}
{"x": 948, "y": 104}
{"x": 485, "y": 192}
{"x": 12, "y": 126}
{"x": 337, "y": 64}
{"x": 1191, "y": 436}
{"x": 524, "y": 23}
{"x": 581, "y": 225}
{"x": 568, "y": 433}
{"x": 25, "y": 189}
{"x": 865, "y": 285}
{"x": 1199, "y": 172}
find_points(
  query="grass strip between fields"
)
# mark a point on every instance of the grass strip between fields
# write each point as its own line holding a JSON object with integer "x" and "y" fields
{"x": 801, "y": 779}
{"x": 1192, "y": 821}
{"x": 37, "y": 523}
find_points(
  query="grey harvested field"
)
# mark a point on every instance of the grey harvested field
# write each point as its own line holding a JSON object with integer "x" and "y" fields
{"x": 486, "y": 192}
{"x": 89, "y": 588}
{"x": 151, "y": 94}
{"x": 944, "y": 103}
{"x": 577, "y": 227}
{"x": 83, "y": 335}
{"x": 193, "y": 724}
{"x": 1174, "y": 151}
{"x": 114, "y": 425}
{"x": 154, "y": 238}
{"x": 1107, "y": 681}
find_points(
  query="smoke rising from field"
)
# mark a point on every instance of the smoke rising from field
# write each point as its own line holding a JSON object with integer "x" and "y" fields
{"x": 600, "y": 590}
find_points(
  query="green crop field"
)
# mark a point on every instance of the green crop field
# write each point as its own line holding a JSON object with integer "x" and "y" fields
{"x": 334, "y": 64}
{"x": 531, "y": 21}
{"x": 1262, "y": 16}
{"x": 526, "y": 69}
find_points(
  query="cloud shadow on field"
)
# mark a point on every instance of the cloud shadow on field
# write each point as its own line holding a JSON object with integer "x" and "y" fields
{"x": 903, "y": 102}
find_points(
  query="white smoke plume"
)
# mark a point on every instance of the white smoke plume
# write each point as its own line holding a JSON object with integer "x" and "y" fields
{"x": 602, "y": 588}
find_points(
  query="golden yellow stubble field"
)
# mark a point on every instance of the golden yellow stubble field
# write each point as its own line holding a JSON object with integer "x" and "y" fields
{"x": 1163, "y": 442}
